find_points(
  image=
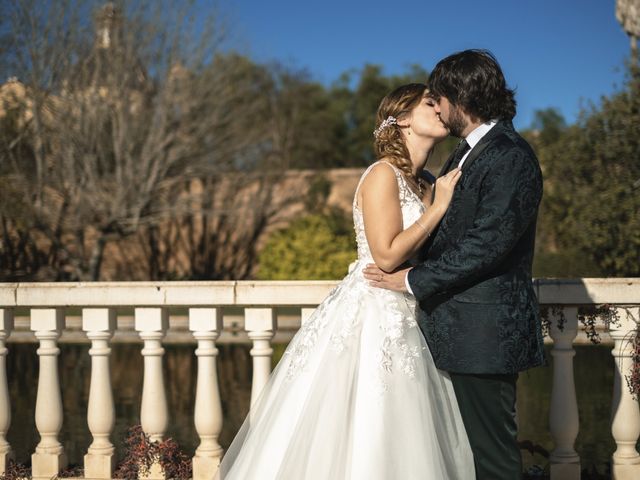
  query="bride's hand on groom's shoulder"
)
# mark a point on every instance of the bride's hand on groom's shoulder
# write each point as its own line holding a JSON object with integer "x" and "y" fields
{"x": 389, "y": 280}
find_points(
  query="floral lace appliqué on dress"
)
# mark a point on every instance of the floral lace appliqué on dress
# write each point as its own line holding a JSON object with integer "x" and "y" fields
{"x": 396, "y": 313}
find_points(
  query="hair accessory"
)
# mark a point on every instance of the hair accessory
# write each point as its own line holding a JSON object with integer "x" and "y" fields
{"x": 387, "y": 122}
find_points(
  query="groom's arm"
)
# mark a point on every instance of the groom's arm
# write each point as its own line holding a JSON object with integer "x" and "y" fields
{"x": 509, "y": 199}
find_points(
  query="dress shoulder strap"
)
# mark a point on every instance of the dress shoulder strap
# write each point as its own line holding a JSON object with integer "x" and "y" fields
{"x": 366, "y": 172}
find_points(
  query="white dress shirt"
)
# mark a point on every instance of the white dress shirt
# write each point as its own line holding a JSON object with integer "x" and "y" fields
{"x": 472, "y": 139}
{"x": 475, "y": 136}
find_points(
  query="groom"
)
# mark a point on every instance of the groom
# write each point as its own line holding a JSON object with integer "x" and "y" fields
{"x": 478, "y": 310}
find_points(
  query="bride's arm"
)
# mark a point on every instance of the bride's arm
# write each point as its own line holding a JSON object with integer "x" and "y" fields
{"x": 379, "y": 201}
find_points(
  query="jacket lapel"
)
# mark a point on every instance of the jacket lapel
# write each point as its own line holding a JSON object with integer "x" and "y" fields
{"x": 433, "y": 244}
{"x": 475, "y": 152}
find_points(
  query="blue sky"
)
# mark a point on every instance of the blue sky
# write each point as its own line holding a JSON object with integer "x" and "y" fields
{"x": 559, "y": 53}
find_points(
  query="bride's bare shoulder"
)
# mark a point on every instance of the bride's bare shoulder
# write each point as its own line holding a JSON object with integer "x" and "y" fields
{"x": 379, "y": 181}
{"x": 381, "y": 174}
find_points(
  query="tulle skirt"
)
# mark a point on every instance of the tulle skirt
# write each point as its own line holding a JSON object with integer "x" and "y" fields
{"x": 355, "y": 396}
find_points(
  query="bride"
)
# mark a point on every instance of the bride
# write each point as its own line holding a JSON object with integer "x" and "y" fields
{"x": 356, "y": 394}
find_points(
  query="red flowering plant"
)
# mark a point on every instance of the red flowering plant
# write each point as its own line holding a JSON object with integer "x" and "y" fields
{"x": 633, "y": 380}
{"x": 15, "y": 471}
{"x": 588, "y": 317}
{"x": 141, "y": 453}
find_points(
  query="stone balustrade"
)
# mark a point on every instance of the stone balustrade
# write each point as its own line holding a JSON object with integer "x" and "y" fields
{"x": 153, "y": 302}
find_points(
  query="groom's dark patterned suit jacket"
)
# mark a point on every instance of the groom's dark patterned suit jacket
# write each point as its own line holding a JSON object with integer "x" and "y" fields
{"x": 477, "y": 306}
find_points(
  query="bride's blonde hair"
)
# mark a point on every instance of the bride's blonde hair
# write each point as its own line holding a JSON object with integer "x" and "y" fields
{"x": 389, "y": 142}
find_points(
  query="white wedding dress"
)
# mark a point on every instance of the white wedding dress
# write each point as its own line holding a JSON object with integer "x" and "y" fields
{"x": 356, "y": 395}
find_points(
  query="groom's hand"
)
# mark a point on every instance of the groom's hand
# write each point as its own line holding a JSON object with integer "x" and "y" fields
{"x": 390, "y": 281}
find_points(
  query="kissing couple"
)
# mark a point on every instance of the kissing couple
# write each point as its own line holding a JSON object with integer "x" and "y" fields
{"x": 408, "y": 369}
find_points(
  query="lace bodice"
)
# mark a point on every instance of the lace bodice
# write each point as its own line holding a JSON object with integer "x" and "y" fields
{"x": 411, "y": 206}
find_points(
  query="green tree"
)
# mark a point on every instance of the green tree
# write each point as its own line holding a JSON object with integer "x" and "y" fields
{"x": 308, "y": 120}
{"x": 371, "y": 88}
{"x": 327, "y": 127}
{"x": 591, "y": 205}
{"x": 548, "y": 125}
{"x": 315, "y": 247}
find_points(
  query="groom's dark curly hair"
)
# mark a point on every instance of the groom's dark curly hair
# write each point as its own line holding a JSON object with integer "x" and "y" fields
{"x": 473, "y": 80}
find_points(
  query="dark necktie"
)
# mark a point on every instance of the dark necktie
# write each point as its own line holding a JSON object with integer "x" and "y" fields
{"x": 462, "y": 148}
{"x": 455, "y": 157}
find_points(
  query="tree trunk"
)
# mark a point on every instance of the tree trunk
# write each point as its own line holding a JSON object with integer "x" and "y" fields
{"x": 95, "y": 262}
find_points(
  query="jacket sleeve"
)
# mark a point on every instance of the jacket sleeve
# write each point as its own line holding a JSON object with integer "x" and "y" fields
{"x": 508, "y": 203}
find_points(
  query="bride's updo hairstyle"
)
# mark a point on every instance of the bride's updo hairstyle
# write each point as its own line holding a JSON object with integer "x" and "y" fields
{"x": 389, "y": 141}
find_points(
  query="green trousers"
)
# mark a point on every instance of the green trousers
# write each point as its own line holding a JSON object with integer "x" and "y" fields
{"x": 488, "y": 408}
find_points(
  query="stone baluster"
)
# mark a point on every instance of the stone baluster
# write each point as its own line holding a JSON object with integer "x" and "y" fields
{"x": 260, "y": 324}
{"x": 563, "y": 417}
{"x": 49, "y": 458}
{"x": 625, "y": 413}
{"x": 152, "y": 325}
{"x": 6, "y": 325}
{"x": 100, "y": 324}
{"x": 206, "y": 325}
{"x": 305, "y": 314}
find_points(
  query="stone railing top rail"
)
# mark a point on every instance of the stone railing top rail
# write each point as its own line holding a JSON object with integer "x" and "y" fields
{"x": 621, "y": 291}
{"x": 584, "y": 291}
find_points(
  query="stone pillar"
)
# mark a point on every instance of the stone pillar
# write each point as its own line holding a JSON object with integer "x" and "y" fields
{"x": 100, "y": 324}
{"x": 260, "y": 323}
{"x": 152, "y": 325}
{"x": 6, "y": 326}
{"x": 49, "y": 459}
{"x": 625, "y": 413}
{"x": 206, "y": 325}
{"x": 564, "y": 422}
